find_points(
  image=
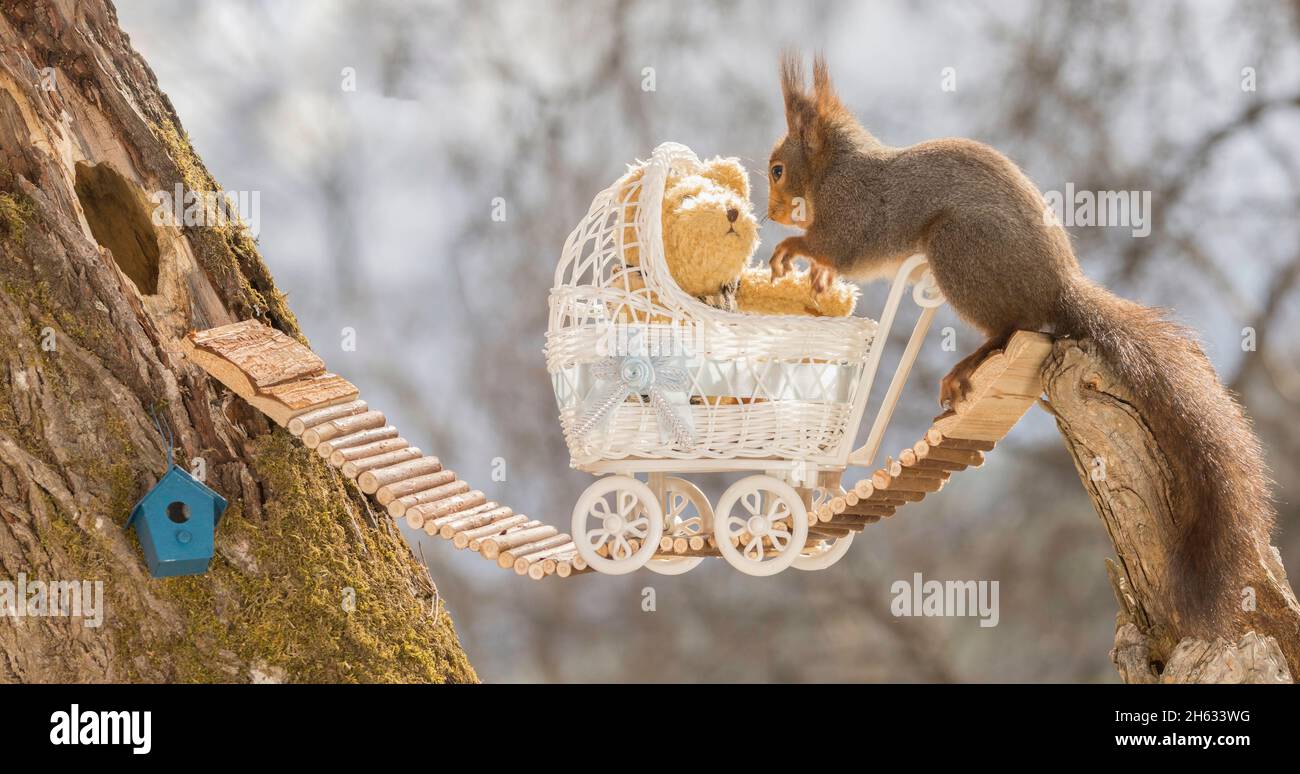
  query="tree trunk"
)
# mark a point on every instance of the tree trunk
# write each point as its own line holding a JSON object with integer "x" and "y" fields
{"x": 1123, "y": 469}
{"x": 308, "y": 584}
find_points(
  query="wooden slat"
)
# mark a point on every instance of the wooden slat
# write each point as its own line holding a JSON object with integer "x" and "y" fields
{"x": 474, "y": 538}
{"x": 314, "y": 417}
{"x": 472, "y": 520}
{"x": 371, "y": 480}
{"x": 356, "y": 467}
{"x": 965, "y": 457}
{"x": 434, "y": 526}
{"x": 454, "y": 486}
{"x": 416, "y": 515}
{"x": 326, "y": 449}
{"x": 492, "y": 547}
{"x": 342, "y": 428}
{"x": 390, "y": 493}
{"x": 534, "y": 551}
{"x": 341, "y": 456}
{"x": 275, "y": 373}
{"x": 312, "y": 392}
{"x": 263, "y": 354}
{"x": 1003, "y": 387}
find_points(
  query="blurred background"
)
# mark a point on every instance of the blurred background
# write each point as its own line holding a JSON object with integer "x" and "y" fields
{"x": 376, "y": 215}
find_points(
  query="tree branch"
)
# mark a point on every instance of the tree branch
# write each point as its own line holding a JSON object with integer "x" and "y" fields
{"x": 1125, "y": 472}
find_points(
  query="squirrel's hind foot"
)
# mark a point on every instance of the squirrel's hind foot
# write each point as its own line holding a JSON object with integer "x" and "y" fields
{"x": 954, "y": 387}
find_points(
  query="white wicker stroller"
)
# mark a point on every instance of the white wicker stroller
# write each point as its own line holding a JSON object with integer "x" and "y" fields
{"x": 651, "y": 381}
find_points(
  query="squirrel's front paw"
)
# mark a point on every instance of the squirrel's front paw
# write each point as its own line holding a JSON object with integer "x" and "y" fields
{"x": 822, "y": 277}
{"x": 783, "y": 257}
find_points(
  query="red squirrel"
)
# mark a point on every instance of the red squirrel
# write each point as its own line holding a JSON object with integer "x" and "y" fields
{"x": 865, "y": 207}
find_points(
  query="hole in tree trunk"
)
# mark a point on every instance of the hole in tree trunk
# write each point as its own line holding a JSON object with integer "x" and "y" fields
{"x": 120, "y": 222}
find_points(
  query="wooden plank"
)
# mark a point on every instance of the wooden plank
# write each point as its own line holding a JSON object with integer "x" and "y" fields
{"x": 346, "y": 429}
{"x": 354, "y": 468}
{"x": 398, "y": 508}
{"x": 340, "y": 457}
{"x": 299, "y": 424}
{"x": 273, "y": 372}
{"x": 473, "y": 538}
{"x": 468, "y": 522}
{"x": 1003, "y": 388}
{"x": 391, "y": 493}
{"x": 312, "y": 392}
{"x": 262, "y": 353}
{"x": 371, "y": 480}
{"x": 326, "y": 449}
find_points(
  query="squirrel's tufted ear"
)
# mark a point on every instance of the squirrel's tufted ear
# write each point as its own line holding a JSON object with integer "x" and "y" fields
{"x": 728, "y": 172}
{"x": 801, "y": 114}
{"x": 825, "y": 99}
{"x": 792, "y": 85}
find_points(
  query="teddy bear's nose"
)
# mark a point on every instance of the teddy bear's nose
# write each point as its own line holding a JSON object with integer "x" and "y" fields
{"x": 732, "y": 214}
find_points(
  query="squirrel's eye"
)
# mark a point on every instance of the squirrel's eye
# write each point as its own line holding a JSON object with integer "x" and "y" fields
{"x": 777, "y": 169}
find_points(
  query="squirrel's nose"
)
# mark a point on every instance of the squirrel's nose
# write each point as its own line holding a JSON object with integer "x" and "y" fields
{"x": 732, "y": 214}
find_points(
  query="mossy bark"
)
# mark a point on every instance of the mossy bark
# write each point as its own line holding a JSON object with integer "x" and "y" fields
{"x": 308, "y": 583}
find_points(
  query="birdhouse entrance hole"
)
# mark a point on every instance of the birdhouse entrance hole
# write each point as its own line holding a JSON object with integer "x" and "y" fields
{"x": 119, "y": 221}
{"x": 178, "y": 512}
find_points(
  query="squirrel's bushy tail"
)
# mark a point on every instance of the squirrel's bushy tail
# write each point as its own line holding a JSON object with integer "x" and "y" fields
{"x": 1221, "y": 497}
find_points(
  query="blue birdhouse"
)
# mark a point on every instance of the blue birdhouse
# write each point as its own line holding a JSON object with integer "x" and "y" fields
{"x": 176, "y": 522}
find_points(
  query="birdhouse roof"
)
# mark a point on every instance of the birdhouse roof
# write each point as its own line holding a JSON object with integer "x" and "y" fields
{"x": 177, "y": 478}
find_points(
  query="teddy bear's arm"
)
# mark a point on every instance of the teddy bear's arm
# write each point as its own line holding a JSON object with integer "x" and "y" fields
{"x": 792, "y": 294}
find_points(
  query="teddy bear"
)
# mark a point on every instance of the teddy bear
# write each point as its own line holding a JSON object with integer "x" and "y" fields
{"x": 709, "y": 235}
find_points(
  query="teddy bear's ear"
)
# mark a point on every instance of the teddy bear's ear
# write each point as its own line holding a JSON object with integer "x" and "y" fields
{"x": 728, "y": 172}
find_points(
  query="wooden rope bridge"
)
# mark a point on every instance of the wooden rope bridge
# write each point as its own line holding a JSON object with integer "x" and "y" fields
{"x": 1003, "y": 388}
{"x": 288, "y": 382}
